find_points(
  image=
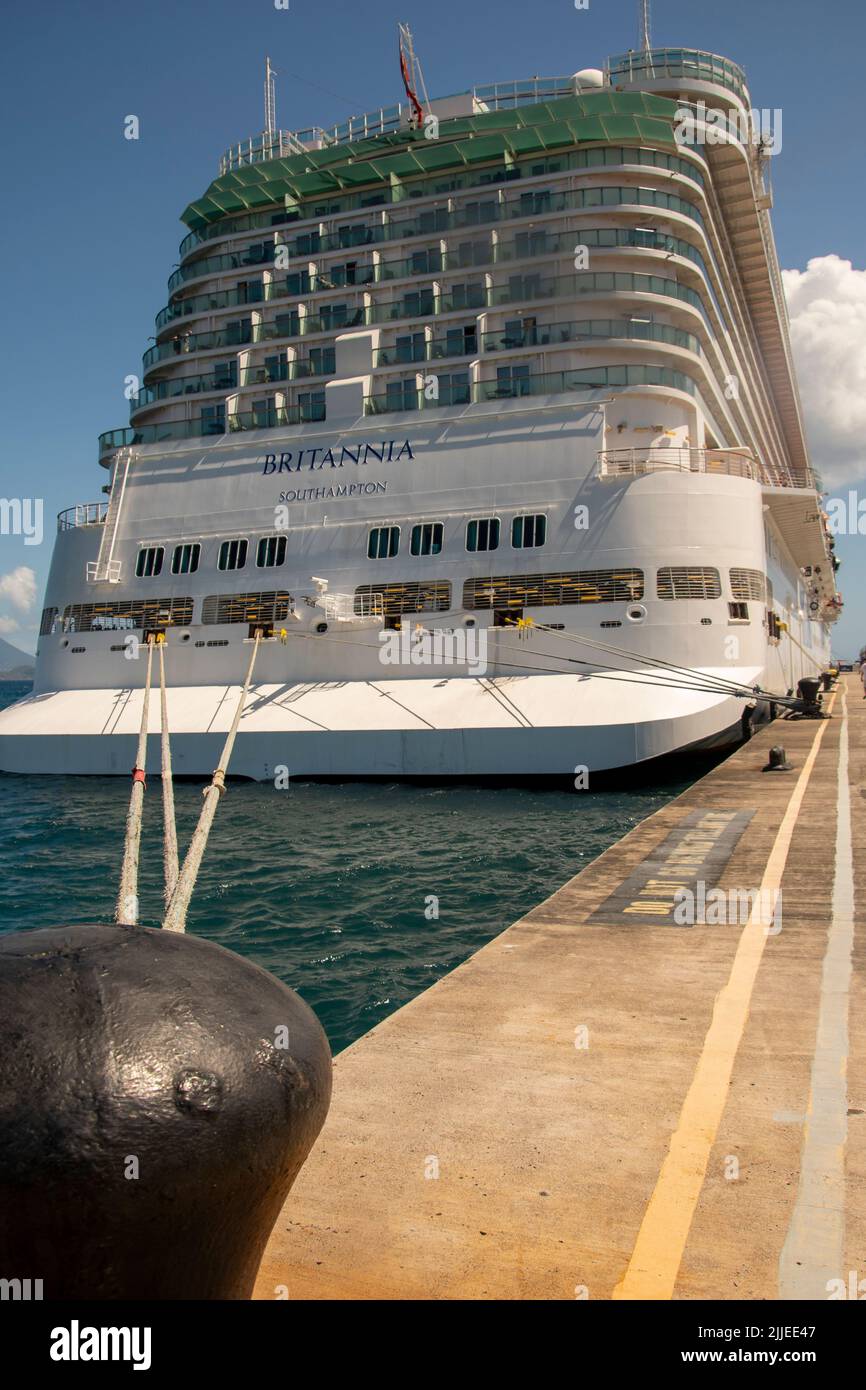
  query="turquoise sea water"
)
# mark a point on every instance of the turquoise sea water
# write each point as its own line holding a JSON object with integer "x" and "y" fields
{"x": 324, "y": 885}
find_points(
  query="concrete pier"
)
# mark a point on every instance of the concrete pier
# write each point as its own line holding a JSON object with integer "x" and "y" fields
{"x": 605, "y": 1103}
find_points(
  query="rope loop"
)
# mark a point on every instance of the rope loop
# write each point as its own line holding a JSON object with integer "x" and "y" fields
{"x": 219, "y": 781}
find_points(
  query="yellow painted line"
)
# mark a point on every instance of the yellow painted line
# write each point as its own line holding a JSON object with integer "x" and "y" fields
{"x": 655, "y": 1261}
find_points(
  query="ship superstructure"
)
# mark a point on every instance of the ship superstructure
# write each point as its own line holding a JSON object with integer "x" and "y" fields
{"x": 483, "y": 411}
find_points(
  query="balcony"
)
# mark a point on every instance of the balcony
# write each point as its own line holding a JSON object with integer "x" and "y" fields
{"x": 170, "y": 389}
{"x": 589, "y": 330}
{"x": 82, "y": 514}
{"x": 205, "y": 427}
{"x": 514, "y": 386}
{"x": 682, "y": 64}
{"x": 631, "y": 463}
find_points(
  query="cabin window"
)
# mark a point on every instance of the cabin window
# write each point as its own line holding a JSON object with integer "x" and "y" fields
{"x": 233, "y": 555}
{"x": 185, "y": 558}
{"x": 383, "y": 542}
{"x": 270, "y": 552}
{"x": 483, "y": 534}
{"x": 148, "y": 563}
{"x": 738, "y": 612}
{"x": 528, "y": 531}
{"x": 426, "y": 538}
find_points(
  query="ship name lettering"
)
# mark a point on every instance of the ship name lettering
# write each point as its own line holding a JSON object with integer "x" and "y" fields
{"x": 389, "y": 451}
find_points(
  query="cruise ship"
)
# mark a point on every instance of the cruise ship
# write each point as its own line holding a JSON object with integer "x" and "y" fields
{"x": 474, "y": 419}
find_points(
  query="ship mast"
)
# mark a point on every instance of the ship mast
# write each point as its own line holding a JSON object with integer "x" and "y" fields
{"x": 643, "y": 9}
{"x": 413, "y": 77}
{"x": 270, "y": 99}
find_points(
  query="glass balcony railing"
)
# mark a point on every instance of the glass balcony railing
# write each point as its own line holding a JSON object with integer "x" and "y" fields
{"x": 250, "y": 293}
{"x": 246, "y": 256}
{"x": 458, "y": 344}
{"x": 233, "y": 335}
{"x": 224, "y": 379}
{"x": 216, "y": 425}
{"x": 275, "y": 416}
{"x": 587, "y": 330}
{"x": 522, "y": 289}
{"x": 544, "y": 384}
{"x": 284, "y": 370}
{"x": 679, "y": 63}
{"x": 527, "y": 288}
{"x": 427, "y": 187}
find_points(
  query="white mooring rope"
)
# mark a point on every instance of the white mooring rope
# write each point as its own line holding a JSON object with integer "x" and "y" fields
{"x": 126, "y": 911}
{"x": 175, "y": 916}
{"x": 169, "y": 844}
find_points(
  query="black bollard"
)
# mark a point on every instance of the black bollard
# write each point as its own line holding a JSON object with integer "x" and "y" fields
{"x": 777, "y": 761}
{"x": 158, "y": 1096}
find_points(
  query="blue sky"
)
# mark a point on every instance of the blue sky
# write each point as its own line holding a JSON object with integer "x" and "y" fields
{"x": 92, "y": 227}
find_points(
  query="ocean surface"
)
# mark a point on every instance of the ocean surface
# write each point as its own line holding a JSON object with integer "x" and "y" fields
{"x": 327, "y": 886}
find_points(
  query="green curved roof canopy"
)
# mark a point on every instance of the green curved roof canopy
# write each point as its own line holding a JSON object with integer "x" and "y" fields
{"x": 615, "y": 117}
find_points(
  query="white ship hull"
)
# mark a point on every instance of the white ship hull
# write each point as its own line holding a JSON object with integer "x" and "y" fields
{"x": 518, "y": 726}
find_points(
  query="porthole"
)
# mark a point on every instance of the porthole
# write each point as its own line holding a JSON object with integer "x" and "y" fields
{"x": 636, "y": 613}
{"x": 321, "y": 628}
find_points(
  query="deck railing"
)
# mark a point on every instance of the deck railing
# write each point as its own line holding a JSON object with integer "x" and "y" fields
{"x": 631, "y": 462}
{"x": 82, "y": 514}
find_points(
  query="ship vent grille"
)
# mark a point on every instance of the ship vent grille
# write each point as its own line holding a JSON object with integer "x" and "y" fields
{"x": 684, "y": 581}
{"x": 269, "y": 607}
{"x": 749, "y": 584}
{"x": 133, "y": 613}
{"x": 433, "y": 597}
{"x": 46, "y": 627}
{"x": 552, "y": 590}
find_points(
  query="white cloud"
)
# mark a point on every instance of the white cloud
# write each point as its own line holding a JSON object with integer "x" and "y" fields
{"x": 7, "y": 625}
{"x": 827, "y": 309}
{"x": 18, "y": 588}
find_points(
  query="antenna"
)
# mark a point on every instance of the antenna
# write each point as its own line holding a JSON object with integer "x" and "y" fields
{"x": 643, "y": 10}
{"x": 270, "y": 99}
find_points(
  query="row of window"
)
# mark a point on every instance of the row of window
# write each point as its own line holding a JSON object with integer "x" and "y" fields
{"x": 497, "y": 592}
{"x": 383, "y": 543}
{"x": 482, "y": 533}
{"x": 442, "y": 184}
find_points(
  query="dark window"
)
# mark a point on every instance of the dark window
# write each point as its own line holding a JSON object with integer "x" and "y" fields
{"x": 528, "y": 531}
{"x": 185, "y": 559}
{"x": 426, "y": 538}
{"x": 233, "y": 555}
{"x": 483, "y": 534}
{"x": 383, "y": 542}
{"x": 149, "y": 562}
{"x": 271, "y": 551}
